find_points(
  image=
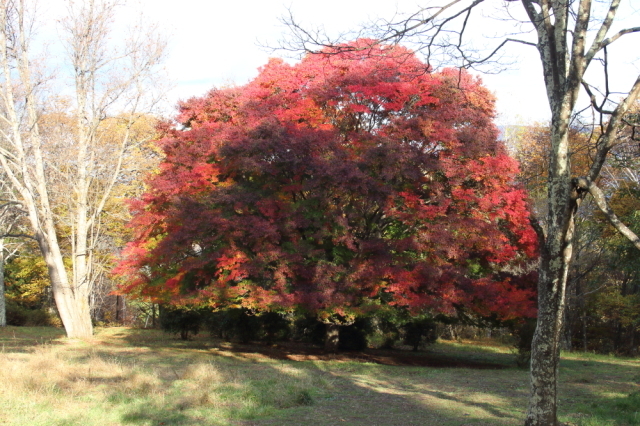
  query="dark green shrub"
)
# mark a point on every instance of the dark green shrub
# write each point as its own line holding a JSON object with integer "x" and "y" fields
{"x": 242, "y": 325}
{"x": 354, "y": 337}
{"x": 308, "y": 329}
{"x": 419, "y": 332}
{"x": 234, "y": 324}
{"x": 214, "y": 322}
{"x": 16, "y": 315}
{"x": 274, "y": 327}
{"x": 21, "y": 316}
{"x": 181, "y": 320}
{"x": 385, "y": 328}
{"x": 37, "y": 318}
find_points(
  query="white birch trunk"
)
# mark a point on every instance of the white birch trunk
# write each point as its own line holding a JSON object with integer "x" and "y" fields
{"x": 23, "y": 153}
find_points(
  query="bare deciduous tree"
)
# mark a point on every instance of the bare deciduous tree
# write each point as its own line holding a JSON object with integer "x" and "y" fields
{"x": 570, "y": 36}
{"x": 10, "y": 228}
{"x": 112, "y": 87}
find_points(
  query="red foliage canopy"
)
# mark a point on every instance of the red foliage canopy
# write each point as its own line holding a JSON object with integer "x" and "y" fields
{"x": 346, "y": 178}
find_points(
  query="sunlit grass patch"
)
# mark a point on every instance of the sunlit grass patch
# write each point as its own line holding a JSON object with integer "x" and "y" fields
{"x": 113, "y": 385}
{"x": 127, "y": 377}
{"x": 618, "y": 410}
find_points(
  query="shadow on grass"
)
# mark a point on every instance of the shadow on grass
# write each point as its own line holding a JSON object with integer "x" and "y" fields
{"x": 441, "y": 355}
{"x": 304, "y": 352}
{"x": 157, "y": 415}
{"x": 386, "y": 397}
{"x": 489, "y": 408}
{"x": 395, "y": 400}
{"x": 269, "y": 385}
{"x": 367, "y": 395}
{"x": 262, "y": 385}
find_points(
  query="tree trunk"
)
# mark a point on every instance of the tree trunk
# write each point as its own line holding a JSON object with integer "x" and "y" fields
{"x": 545, "y": 358}
{"x": 3, "y": 306}
{"x": 556, "y": 256}
{"x": 118, "y": 317}
{"x": 332, "y": 337}
{"x": 121, "y": 310}
{"x": 585, "y": 345}
{"x": 124, "y": 310}
{"x": 567, "y": 334}
{"x": 102, "y": 82}
{"x": 72, "y": 301}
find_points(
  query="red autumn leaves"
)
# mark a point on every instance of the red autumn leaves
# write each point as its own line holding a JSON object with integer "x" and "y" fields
{"x": 353, "y": 178}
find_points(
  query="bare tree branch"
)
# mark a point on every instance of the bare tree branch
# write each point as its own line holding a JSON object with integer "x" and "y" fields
{"x": 608, "y": 139}
{"x": 64, "y": 174}
{"x": 594, "y": 101}
{"x": 31, "y": 237}
{"x": 601, "y": 201}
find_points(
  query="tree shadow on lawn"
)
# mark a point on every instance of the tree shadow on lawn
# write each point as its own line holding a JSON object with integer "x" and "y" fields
{"x": 472, "y": 394}
{"x": 375, "y": 388}
{"x": 441, "y": 355}
{"x": 456, "y": 387}
{"x": 394, "y": 395}
{"x": 425, "y": 396}
{"x": 355, "y": 388}
{"x": 404, "y": 392}
{"x": 294, "y": 351}
{"x": 362, "y": 393}
{"x": 347, "y": 400}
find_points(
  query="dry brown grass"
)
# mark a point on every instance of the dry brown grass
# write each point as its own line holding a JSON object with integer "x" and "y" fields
{"x": 131, "y": 377}
{"x": 109, "y": 381}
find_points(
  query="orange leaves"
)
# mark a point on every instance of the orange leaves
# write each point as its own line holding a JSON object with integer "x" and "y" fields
{"x": 230, "y": 267}
{"x": 173, "y": 284}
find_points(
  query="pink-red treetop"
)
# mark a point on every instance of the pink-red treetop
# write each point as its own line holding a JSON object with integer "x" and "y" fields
{"x": 346, "y": 179}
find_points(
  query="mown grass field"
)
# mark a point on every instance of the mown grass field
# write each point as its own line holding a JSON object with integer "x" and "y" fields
{"x": 143, "y": 377}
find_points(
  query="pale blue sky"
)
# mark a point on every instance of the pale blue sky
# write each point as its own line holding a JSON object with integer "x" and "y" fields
{"x": 215, "y": 43}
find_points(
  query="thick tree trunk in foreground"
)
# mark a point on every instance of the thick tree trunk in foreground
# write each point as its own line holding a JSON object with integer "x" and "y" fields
{"x": 545, "y": 351}
{"x": 72, "y": 301}
{"x": 552, "y": 282}
{"x": 564, "y": 54}
{"x": 3, "y": 306}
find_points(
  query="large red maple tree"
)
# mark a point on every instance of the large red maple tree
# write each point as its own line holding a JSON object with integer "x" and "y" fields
{"x": 352, "y": 177}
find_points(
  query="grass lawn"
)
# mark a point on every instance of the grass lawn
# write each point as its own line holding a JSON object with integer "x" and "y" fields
{"x": 143, "y": 377}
